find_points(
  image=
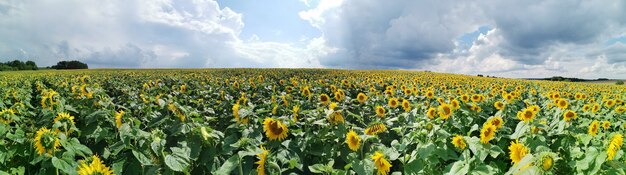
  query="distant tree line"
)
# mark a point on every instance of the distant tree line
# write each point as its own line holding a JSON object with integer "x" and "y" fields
{"x": 70, "y": 65}
{"x": 18, "y": 65}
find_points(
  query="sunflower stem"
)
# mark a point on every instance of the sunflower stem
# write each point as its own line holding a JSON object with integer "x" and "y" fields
{"x": 240, "y": 166}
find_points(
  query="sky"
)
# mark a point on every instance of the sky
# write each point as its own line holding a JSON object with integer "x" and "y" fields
{"x": 519, "y": 39}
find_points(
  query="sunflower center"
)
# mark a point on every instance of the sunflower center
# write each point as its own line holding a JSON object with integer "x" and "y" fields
{"x": 275, "y": 128}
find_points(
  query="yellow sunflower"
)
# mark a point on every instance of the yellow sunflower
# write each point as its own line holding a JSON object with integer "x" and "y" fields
{"x": 260, "y": 169}
{"x": 295, "y": 111}
{"x": 353, "y": 140}
{"x": 236, "y": 111}
{"x": 46, "y": 141}
{"x": 332, "y": 106}
{"x": 118, "y": 118}
{"x": 274, "y": 129}
{"x": 496, "y": 121}
{"x": 375, "y": 129}
{"x": 526, "y": 115}
{"x": 459, "y": 142}
{"x": 465, "y": 97}
{"x": 547, "y": 162}
{"x": 66, "y": 120}
{"x": 406, "y": 105}
{"x": 487, "y": 133}
{"x": 381, "y": 163}
{"x": 614, "y": 146}
{"x": 620, "y": 109}
{"x": 595, "y": 108}
{"x": 586, "y": 108}
{"x": 517, "y": 151}
{"x": 569, "y": 115}
{"x": 606, "y": 124}
{"x": 335, "y": 118}
{"x": 445, "y": 111}
{"x": 96, "y": 167}
{"x": 430, "y": 94}
{"x": 393, "y": 102}
{"x": 499, "y": 105}
{"x": 361, "y": 97}
{"x": 593, "y": 128}
{"x": 380, "y": 111}
{"x": 431, "y": 113}
{"x": 562, "y": 103}
{"x": 324, "y": 99}
{"x": 455, "y": 104}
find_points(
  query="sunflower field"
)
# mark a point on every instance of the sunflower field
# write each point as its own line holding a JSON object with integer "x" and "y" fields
{"x": 305, "y": 121}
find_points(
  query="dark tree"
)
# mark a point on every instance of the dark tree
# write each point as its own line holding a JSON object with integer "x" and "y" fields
{"x": 18, "y": 65}
{"x": 70, "y": 65}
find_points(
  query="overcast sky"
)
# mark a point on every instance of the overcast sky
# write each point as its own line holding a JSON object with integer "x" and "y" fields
{"x": 530, "y": 38}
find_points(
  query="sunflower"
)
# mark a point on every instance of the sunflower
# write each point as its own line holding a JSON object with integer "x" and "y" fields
{"x": 295, "y": 110}
{"x": 431, "y": 113}
{"x": 526, "y": 115}
{"x": 477, "y": 98}
{"x": 610, "y": 103}
{"x": 46, "y": 141}
{"x": 274, "y": 129}
{"x": 96, "y": 167}
{"x": 324, "y": 99}
{"x": 475, "y": 107}
{"x": 260, "y": 169}
{"x": 406, "y": 105}
{"x": 459, "y": 142}
{"x": 332, "y": 106}
{"x": 381, "y": 163}
{"x": 236, "y": 111}
{"x": 465, "y": 97}
{"x": 593, "y": 128}
{"x": 393, "y": 102}
{"x": 380, "y": 111}
{"x": 614, "y": 146}
{"x": 586, "y": 108}
{"x": 569, "y": 115}
{"x": 375, "y": 128}
{"x": 620, "y": 109}
{"x": 335, "y": 118}
{"x": 606, "y": 124}
{"x": 595, "y": 108}
{"x": 118, "y": 118}
{"x": 517, "y": 151}
{"x": 499, "y": 105}
{"x": 353, "y": 140}
{"x": 496, "y": 121}
{"x": 455, "y": 104}
{"x": 445, "y": 111}
{"x": 430, "y": 94}
{"x": 547, "y": 162}
{"x": 487, "y": 133}
{"x": 562, "y": 103}
{"x": 361, "y": 97}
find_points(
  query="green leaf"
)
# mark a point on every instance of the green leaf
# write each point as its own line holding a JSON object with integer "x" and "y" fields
{"x": 142, "y": 158}
{"x": 459, "y": 167}
{"x": 228, "y": 166}
{"x": 363, "y": 167}
{"x": 176, "y": 163}
{"x": 63, "y": 165}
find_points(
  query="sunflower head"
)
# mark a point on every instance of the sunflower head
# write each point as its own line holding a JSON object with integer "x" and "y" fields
{"x": 593, "y": 128}
{"x": 459, "y": 142}
{"x": 517, "y": 151}
{"x": 353, "y": 140}
{"x": 465, "y": 97}
{"x": 393, "y": 102}
{"x": 118, "y": 118}
{"x": 547, "y": 161}
{"x": 361, "y": 97}
{"x": 274, "y": 129}
{"x": 614, "y": 145}
{"x": 375, "y": 128}
{"x": 335, "y": 118}
{"x": 324, "y": 99}
{"x": 431, "y": 113}
{"x": 445, "y": 111}
{"x": 496, "y": 121}
{"x": 562, "y": 103}
{"x": 606, "y": 124}
{"x": 380, "y": 111}
{"x": 499, "y": 105}
{"x": 406, "y": 105}
{"x": 487, "y": 133}
{"x": 260, "y": 169}
{"x": 46, "y": 141}
{"x": 527, "y": 115}
{"x": 381, "y": 163}
{"x": 595, "y": 108}
{"x": 96, "y": 167}
{"x": 430, "y": 94}
{"x": 569, "y": 115}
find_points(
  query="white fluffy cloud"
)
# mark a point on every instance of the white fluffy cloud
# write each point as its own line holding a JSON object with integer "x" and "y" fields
{"x": 140, "y": 33}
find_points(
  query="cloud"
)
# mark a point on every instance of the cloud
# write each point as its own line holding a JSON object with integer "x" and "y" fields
{"x": 138, "y": 33}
